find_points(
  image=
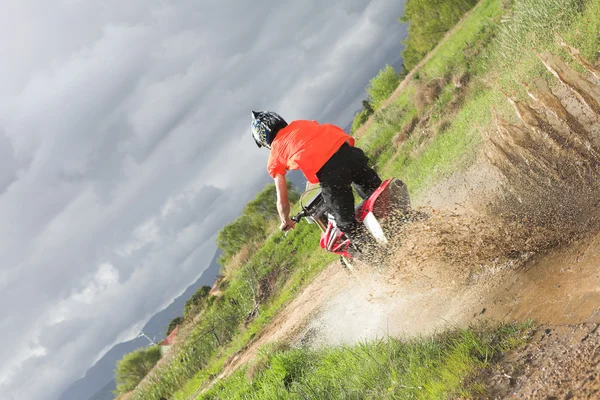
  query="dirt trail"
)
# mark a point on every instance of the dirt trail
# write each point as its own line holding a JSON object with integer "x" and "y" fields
{"x": 342, "y": 307}
{"x": 515, "y": 237}
{"x": 561, "y": 288}
{"x": 560, "y": 362}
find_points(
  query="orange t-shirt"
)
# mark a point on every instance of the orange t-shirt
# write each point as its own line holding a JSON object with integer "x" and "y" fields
{"x": 305, "y": 145}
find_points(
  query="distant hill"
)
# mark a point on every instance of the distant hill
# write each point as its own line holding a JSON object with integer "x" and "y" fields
{"x": 106, "y": 393}
{"x": 98, "y": 382}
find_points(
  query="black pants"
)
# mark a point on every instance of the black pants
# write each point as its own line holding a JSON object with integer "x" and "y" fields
{"x": 346, "y": 168}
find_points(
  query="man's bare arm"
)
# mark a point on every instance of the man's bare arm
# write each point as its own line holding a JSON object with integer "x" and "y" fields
{"x": 283, "y": 203}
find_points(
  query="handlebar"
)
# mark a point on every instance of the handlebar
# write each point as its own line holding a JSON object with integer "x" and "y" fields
{"x": 296, "y": 218}
{"x": 302, "y": 214}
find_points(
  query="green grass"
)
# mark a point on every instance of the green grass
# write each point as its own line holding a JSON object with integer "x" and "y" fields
{"x": 585, "y": 31}
{"x": 314, "y": 264}
{"x": 420, "y": 166}
{"x": 531, "y": 28}
{"x": 386, "y": 124}
{"x": 475, "y": 31}
{"x": 424, "y": 368}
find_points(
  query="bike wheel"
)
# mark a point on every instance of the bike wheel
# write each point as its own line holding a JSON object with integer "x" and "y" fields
{"x": 347, "y": 263}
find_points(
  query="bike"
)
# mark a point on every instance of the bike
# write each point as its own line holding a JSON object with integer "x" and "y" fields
{"x": 390, "y": 201}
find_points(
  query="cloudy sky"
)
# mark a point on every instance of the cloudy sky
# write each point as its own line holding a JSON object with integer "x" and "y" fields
{"x": 125, "y": 146}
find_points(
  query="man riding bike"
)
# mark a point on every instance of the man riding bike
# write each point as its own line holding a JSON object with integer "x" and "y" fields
{"x": 325, "y": 154}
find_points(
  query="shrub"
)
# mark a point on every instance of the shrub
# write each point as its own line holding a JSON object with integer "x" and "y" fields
{"x": 367, "y": 106}
{"x": 382, "y": 86}
{"x": 359, "y": 120}
{"x": 192, "y": 306}
{"x": 243, "y": 230}
{"x": 253, "y": 224}
{"x": 134, "y": 366}
{"x": 173, "y": 324}
{"x": 239, "y": 259}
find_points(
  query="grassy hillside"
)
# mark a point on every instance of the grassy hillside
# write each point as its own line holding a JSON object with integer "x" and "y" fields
{"x": 428, "y": 22}
{"x": 435, "y": 125}
{"x": 430, "y": 129}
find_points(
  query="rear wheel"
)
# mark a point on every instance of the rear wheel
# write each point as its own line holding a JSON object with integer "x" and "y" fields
{"x": 346, "y": 263}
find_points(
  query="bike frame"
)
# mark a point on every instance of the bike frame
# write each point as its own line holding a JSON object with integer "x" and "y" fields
{"x": 391, "y": 195}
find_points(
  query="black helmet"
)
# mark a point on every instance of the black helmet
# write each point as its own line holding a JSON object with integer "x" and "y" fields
{"x": 265, "y": 125}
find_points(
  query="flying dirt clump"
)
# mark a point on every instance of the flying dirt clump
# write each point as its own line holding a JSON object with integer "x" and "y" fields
{"x": 449, "y": 247}
{"x": 552, "y": 161}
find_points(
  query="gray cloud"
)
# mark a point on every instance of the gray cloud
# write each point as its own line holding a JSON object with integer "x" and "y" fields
{"x": 8, "y": 163}
{"x": 124, "y": 147}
